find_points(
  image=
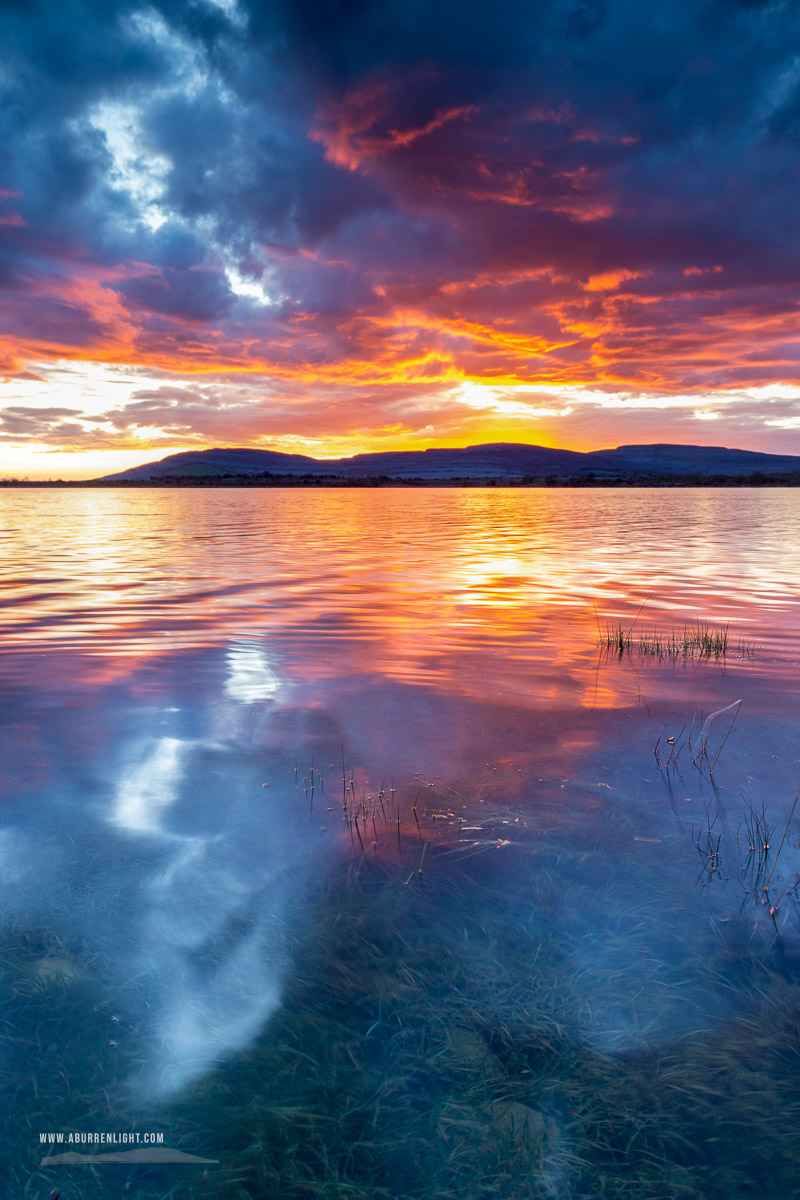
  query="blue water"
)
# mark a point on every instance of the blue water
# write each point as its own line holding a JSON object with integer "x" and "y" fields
{"x": 330, "y": 835}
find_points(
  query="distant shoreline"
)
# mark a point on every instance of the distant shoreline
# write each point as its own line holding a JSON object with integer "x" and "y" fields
{"x": 752, "y": 480}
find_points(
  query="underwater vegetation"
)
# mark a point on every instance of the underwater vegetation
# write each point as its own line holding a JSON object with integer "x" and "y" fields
{"x": 442, "y": 1058}
{"x": 438, "y": 1032}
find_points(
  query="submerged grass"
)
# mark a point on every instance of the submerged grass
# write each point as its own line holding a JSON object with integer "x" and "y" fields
{"x": 428, "y": 1048}
{"x": 435, "y": 1041}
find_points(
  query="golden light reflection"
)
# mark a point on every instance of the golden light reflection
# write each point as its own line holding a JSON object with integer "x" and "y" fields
{"x": 488, "y": 592}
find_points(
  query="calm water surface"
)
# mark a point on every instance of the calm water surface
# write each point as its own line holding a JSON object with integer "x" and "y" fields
{"x": 335, "y": 849}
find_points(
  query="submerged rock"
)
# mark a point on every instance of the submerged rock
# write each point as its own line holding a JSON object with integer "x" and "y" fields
{"x": 527, "y": 1127}
{"x": 473, "y": 1054}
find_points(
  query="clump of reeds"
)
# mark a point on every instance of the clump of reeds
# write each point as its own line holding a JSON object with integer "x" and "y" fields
{"x": 692, "y": 641}
{"x": 755, "y": 839}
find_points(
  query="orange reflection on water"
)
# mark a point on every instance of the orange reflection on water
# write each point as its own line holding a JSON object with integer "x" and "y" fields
{"x": 485, "y": 592}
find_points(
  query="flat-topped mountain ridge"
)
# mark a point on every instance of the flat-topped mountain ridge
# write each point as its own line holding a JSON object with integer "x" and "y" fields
{"x": 498, "y": 460}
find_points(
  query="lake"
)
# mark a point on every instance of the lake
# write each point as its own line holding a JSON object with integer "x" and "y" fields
{"x": 337, "y": 851}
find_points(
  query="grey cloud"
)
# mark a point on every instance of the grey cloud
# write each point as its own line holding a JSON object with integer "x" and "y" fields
{"x": 194, "y": 295}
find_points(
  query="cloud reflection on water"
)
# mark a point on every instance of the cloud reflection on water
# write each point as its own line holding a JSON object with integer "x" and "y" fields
{"x": 208, "y": 928}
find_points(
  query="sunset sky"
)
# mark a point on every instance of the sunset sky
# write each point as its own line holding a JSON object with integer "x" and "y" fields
{"x": 329, "y": 226}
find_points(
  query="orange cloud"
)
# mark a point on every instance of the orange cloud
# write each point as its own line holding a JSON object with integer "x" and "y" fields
{"x": 351, "y": 133}
{"x": 609, "y": 281}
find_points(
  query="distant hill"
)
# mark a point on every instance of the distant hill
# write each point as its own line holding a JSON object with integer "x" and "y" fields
{"x": 506, "y": 461}
{"x": 662, "y": 458}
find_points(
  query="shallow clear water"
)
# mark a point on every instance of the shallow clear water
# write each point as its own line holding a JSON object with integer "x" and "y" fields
{"x": 336, "y": 850}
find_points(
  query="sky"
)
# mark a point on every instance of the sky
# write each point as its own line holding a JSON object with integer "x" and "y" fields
{"x": 333, "y": 226}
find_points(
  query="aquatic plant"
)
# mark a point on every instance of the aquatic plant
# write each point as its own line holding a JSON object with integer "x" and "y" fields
{"x": 702, "y": 756}
{"x": 691, "y": 641}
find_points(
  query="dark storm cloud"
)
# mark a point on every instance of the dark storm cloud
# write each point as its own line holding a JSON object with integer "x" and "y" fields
{"x": 598, "y": 191}
{"x": 50, "y": 321}
{"x": 195, "y": 295}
